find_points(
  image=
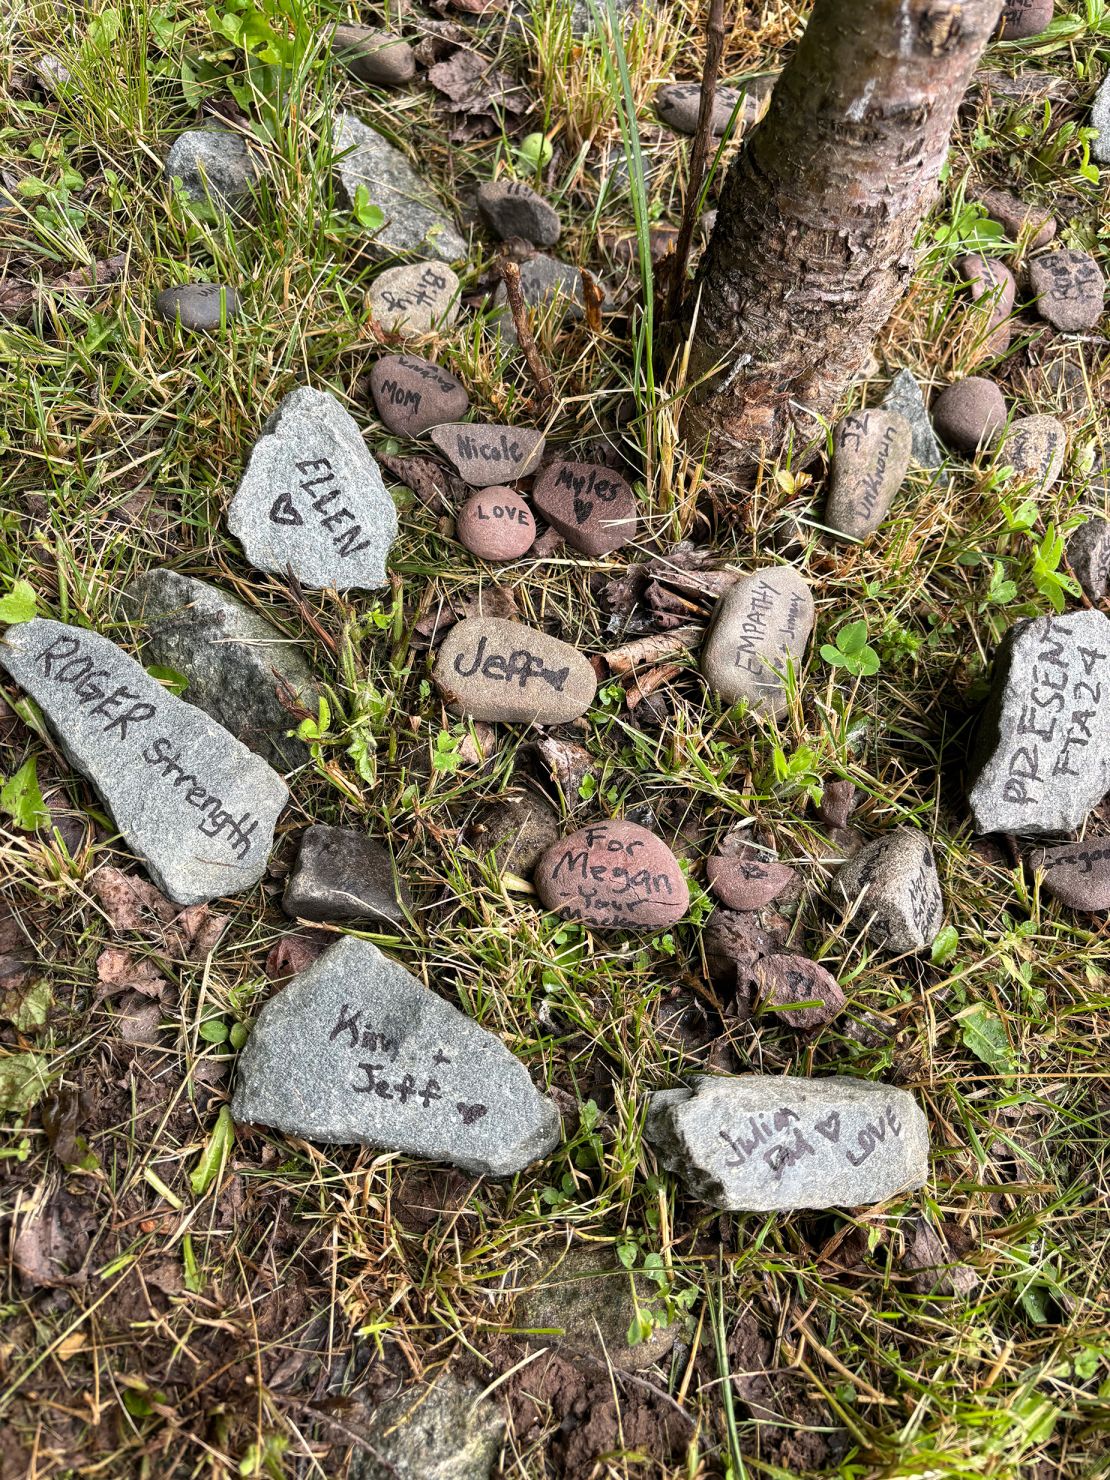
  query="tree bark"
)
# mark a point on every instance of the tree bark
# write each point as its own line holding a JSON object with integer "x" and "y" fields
{"x": 813, "y": 244}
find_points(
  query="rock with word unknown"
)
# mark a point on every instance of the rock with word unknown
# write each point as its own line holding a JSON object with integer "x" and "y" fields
{"x": 491, "y": 669}
{"x": 240, "y": 670}
{"x": 496, "y": 524}
{"x": 905, "y": 398}
{"x": 355, "y": 1049}
{"x": 1077, "y": 874}
{"x": 373, "y": 56}
{"x": 677, "y": 104}
{"x": 1100, "y": 122}
{"x": 415, "y": 221}
{"x": 993, "y": 283}
{"x": 1034, "y": 226}
{"x": 591, "y": 506}
{"x": 1069, "y": 288}
{"x": 446, "y": 1430}
{"x": 892, "y": 891}
{"x": 415, "y": 298}
{"x": 343, "y": 874}
{"x": 613, "y": 875}
{"x": 747, "y": 879}
{"x": 412, "y": 394}
{"x": 196, "y": 805}
{"x": 970, "y": 413}
{"x": 1034, "y": 447}
{"x": 757, "y": 1143}
{"x": 760, "y": 626}
{"x": 512, "y": 208}
{"x": 1042, "y": 753}
{"x": 198, "y": 305}
{"x": 1021, "y": 19}
{"x": 213, "y": 164}
{"x": 312, "y": 499}
{"x": 486, "y": 455}
{"x": 871, "y": 456}
{"x": 1088, "y": 552}
{"x": 798, "y": 990}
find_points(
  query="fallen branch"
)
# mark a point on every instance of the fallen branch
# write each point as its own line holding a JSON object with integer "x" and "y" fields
{"x": 510, "y": 276}
{"x": 647, "y": 651}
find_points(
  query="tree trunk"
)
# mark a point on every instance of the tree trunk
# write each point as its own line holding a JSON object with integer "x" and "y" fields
{"x": 813, "y": 244}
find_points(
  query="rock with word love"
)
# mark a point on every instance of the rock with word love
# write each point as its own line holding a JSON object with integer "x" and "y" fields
{"x": 760, "y": 627}
{"x": 485, "y": 455}
{"x": 491, "y": 669}
{"x": 758, "y": 1143}
{"x": 496, "y": 524}
{"x": 592, "y": 507}
{"x": 412, "y": 394}
{"x": 192, "y": 801}
{"x": 613, "y": 875}
{"x": 312, "y": 498}
{"x": 355, "y": 1049}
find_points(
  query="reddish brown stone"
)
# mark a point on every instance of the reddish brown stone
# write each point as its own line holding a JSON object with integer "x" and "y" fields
{"x": 782, "y": 982}
{"x": 991, "y": 279}
{"x": 1023, "y": 18}
{"x": 591, "y": 506}
{"x": 412, "y": 394}
{"x": 747, "y": 881}
{"x": 1034, "y": 223}
{"x": 969, "y": 413}
{"x": 496, "y": 524}
{"x": 1077, "y": 874}
{"x": 614, "y": 875}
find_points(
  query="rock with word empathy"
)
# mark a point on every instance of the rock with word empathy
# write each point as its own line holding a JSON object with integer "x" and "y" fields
{"x": 759, "y": 627}
{"x": 412, "y": 394}
{"x": 677, "y": 104}
{"x": 312, "y": 499}
{"x": 798, "y": 990}
{"x": 1021, "y": 19}
{"x": 991, "y": 281}
{"x": 1034, "y": 447}
{"x": 342, "y": 874}
{"x": 970, "y": 413}
{"x": 196, "y": 805}
{"x": 871, "y": 456}
{"x": 213, "y": 164}
{"x": 198, "y": 305}
{"x": 447, "y": 1430}
{"x": 892, "y": 890}
{"x": 1088, "y": 552}
{"x": 415, "y": 221}
{"x": 355, "y": 1049}
{"x": 512, "y": 208}
{"x": 1100, "y": 122}
{"x": 1070, "y": 289}
{"x": 1042, "y": 755}
{"x": 373, "y": 56}
{"x": 905, "y": 398}
{"x": 591, "y": 506}
{"x": 613, "y": 875}
{"x": 499, "y": 671}
{"x": 240, "y": 670}
{"x": 415, "y": 298}
{"x": 757, "y": 1143}
{"x": 1077, "y": 874}
{"x": 747, "y": 880}
{"x": 487, "y": 455}
{"x": 496, "y": 524}
{"x": 1031, "y": 224}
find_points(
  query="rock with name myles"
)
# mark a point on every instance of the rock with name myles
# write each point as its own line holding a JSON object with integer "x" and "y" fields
{"x": 196, "y": 805}
{"x": 747, "y": 880}
{"x": 871, "y": 456}
{"x": 993, "y": 282}
{"x": 798, "y": 990}
{"x": 356, "y": 1050}
{"x": 415, "y": 221}
{"x": 892, "y": 890}
{"x": 485, "y": 455}
{"x": 591, "y": 506}
{"x": 512, "y": 208}
{"x": 1042, "y": 752}
{"x": 1088, "y": 552}
{"x": 496, "y": 524}
{"x": 1034, "y": 447}
{"x": 613, "y": 876}
{"x": 412, "y": 394}
{"x": 1077, "y": 874}
{"x": 499, "y": 671}
{"x": 759, "y": 626}
{"x": 1069, "y": 288}
{"x": 198, "y": 305}
{"x": 312, "y": 498}
{"x": 415, "y": 298}
{"x": 760, "y": 1143}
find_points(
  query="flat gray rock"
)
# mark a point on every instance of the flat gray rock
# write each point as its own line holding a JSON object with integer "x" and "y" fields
{"x": 442, "y": 1431}
{"x": 355, "y": 1050}
{"x": 1034, "y": 447}
{"x": 485, "y": 455}
{"x": 373, "y": 56}
{"x": 678, "y": 104}
{"x": 491, "y": 669}
{"x": 312, "y": 498}
{"x": 1042, "y": 755}
{"x": 1077, "y": 874}
{"x": 198, "y": 305}
{"x": 904, "y": 397}
{"x": 415, "y": 219}
{"x": 213, "y": 164}
{"x": 343, "y": 874}
{"x": 196, "y": 805}
{"x": 871, "y": 457}
{"x": 892, "y": 890}
{"x": 1088, "y": 552}
{"x": 759, "y": 625}
{"x": 236, "y": 663}
{"x": 545, "y": 283}
{"x": 414, "y": 298}
{"x": 1069, "y": 288}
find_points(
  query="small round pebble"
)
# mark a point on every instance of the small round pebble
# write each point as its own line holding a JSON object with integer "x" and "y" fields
{"x": 511, "y": 208}
{"x": 198, "y": 305}
{"x": 373, "y": 56}
{"x": 970, "y": 413}
{"x": 496, "y": 524}
{"x": 1021, "y": 19}
{"x": 1069, "y": 288}
{"x": 747, "y": 881}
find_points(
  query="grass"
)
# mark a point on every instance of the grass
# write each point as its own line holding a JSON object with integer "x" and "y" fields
{"x": 217, "y": 1332}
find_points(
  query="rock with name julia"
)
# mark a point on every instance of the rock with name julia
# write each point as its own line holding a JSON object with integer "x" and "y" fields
{"x": 759, "y": 626}
{"x": 1077, "y": 874}
{"x": 677, "y": 104}
{"x": 1042, "y": 749}
{"x": 213, "y": 164}
{"x": 485, "y": 455}
{"x": 904, "y": 397}
{"x": 512, "y": 208}
{"x": 1069, "y": 288}
{"x": 758, "y": 1143}
{"x": 970, "y": 413}
{"x": 1088, "y": 553}
{"x": 312, "y": 498}
{"x": 871, "y": 456}
{"x": 1021, "y": 19}
{"x": 591, "y": 506}
{"x": 415, "y": 221}
{"x": 1034, "y": 447}
{"x": 373, "y": 56}
{"x": 992, "y": 283}
{"x": 356, "y": 1050}
{"x": 892, "y": 891}
{"x": 489, "y": 668}
{"x": 496, "y": 524}
{"x": 747, "y": 880}
{"x": 192, "y": 801}
{"x": 415, "y": 298}
{"x": 614, "y": 876}
{"x": 343, "y": 874}
{"x": 1033, "y": 225}
{"x": 198, "y": 305}
{"x": 412, "y": 394}
{"x": 798, "y": 990}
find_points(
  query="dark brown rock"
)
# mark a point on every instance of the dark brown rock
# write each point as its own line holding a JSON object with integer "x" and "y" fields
{"x": 838, "y": 801}
{"x": 1034, "y": 447}
{"x": 970, "y": 413}
{"x": 342, "y": 874}
{"x": 994, "y": 281}
{"x": 496, "y": 524}
{"x": 871, "y": 456}
{"x": 1070, "y": 289}
{"x": 486, "y": 455}
{"x": 500, "y": 671}
{"x": 1088, "y": 552}
{"x": 1023, "y": 18}
{"x": 412, "y": 395}
{"x": 512, "y": 208}
{"x": 613, "y": 875}
{"x": 592, "y": 507}
{"x": 747, "y": 881}
{"x": 373, "y": 56}
{"x": 782, "y": 983}
{"x": 1032, "y": 225}
{"x": 1077, "y": 874}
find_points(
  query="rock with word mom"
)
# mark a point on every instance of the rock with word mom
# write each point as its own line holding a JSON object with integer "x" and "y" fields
{"x": 1088, "y": 552}
{"x": 1070, "y": 289}
{"x": 195, "y": 804}
{"x": 757, "y": 1143}
{"x": 1077, "y": 874}
{"x": 213, "y": 164}
{"x": 412, "y": 394}
{"x": 415, "y": 298}
{"x": 592, "y": 507}
{"x": 760, "y": 625}
{"x": 892, "y": 890}
{"x": 355, "y": 1049}
{"x": 614, "y": 876}
{"x": 491, "y": 669}
{"x": 488, "y": 455}
{"x": 1042, "y": 753}
{"x": 312, "y": 498}
{"x": 415, "y": 221}
{"x": 496, "y": 524}
{"x": 871, "y": 456}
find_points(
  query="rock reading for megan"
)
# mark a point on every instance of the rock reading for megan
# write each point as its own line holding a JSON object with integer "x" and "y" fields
{"x": 613, "y": 875}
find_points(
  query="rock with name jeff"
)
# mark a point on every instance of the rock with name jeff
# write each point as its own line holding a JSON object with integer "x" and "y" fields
{"x": 759, "y": 627}
{"x": 1077, "y": 874}
{"x": 412, "y": 394}
{"x": 496, "y": 524}
{"x": 485, "y": 455}
{"x": 489, "y": 668}
{"x": 591, "y": 506}
{"x": 871, "y": 456}
{"x": 613, "y": 875}
{"x": 192, "y": 801}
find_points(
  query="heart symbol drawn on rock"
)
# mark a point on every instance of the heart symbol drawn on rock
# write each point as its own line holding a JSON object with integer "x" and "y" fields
{"x": 470, "y": 1113}
{"x": 282, "y": 510}
{"x": 583, "y": 508}
{"x": 830, "y": 1126}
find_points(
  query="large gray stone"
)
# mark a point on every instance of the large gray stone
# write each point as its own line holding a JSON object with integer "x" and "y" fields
{"x": 1042, "y": 756}
{"x": 213, "y": 164}
{"x": 1100, "y": 120}
{"x": 312, "y": 498}
{"x": 188, "y": 797}
{"x": 759, "y": 1143}
{"x": 443, "y": 1431}
{"x": 1088, "y": 552}
{"x": 759, "y": 625}
{"x": 891, "y": 888}
{"x": 355, "y": 1049}
{"x": 415, "y": 221}
{"x": 904, "y": 396}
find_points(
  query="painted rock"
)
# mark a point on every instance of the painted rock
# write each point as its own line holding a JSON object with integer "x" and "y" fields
{"x": 501, "y": 671}
{"x": 871, "y": 456}
{"x": 613, "y": 875}
{"x": 1021, "y": 19}
{"x": 592, "y": 507}
{"x": 892, "y": 890}
{"x": 1077, "y": 874}
{"x": 198, "y": 305}
{"x": 512, "y": 208}
{"x": 747, "y": 880}
{"x": 1070, "y": 289}
{"x": 496, "y": 524}
{"x": 993, "y": 281}
{"x": 970, "y": 413}
{"x": 1034, "y": 447}
{"x": 412, "y": 394}
{"x": 487, "y": 455}
{"x": 373, "y": 56}
{"x": 415, "y": 298}
{"x": 1088, "y": 552}
{"x": 759, "y": 626}
{"x": 1032, "y": 225}
{"x": 800, "y": 991}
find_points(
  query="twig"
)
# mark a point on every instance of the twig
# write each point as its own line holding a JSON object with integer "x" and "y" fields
{"x": 510, "y": 276}
{"x": 652, "y": 680}
{"x": 647, "y": 651}
{"x": 699, "y": 153}
{"x": 593, "y": 295}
